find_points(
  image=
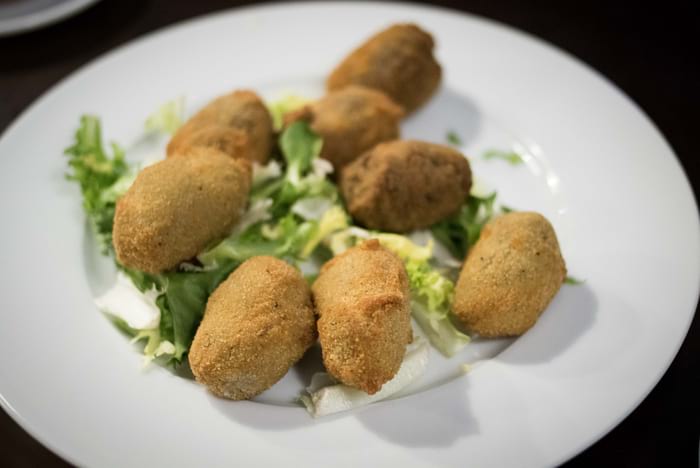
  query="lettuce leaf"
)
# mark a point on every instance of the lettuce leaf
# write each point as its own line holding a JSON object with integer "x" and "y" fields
{"x": 511, "y": 157}
{"x": 300, "y": 148}
{"x": 431, "y": 299}
{"x": 324, "y": 396}
{"x": 333, "y": 220}
{"x": 183, "y": 302}
{"x": 167, "y": 118}
{"x": 283, "y": 239}
{"x": 570, "y": 280}
{"x": 462, "y": 230}
{"x": 440, "y": 331}
{"x": 284, "y": 105}
{"x": 429, "y": 287}
{"x": 453, "y": 138}
{"x": 96, "y": 172}
{"x": 296, "y": 193}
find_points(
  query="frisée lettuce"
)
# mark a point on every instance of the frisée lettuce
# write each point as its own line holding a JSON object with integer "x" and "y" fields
{"x": 462, "y": 230}
{"x": 96, "y": 172}
{"x": 167, "y": 118}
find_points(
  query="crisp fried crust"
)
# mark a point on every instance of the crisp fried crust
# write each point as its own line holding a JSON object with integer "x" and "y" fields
{"x": 351, "y": 121}
{"x": 257, "y": 324}
{"x": 362, "y": 299}
{"x": 177, "y": 207}
{"x": 238, "y": 124}
{"x": 510, "y": 276}
{"x": 398, "y": 61}
{"x": 404, "y": 185}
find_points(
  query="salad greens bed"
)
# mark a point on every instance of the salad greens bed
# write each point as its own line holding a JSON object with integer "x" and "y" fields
{"x": 295, "y": 213}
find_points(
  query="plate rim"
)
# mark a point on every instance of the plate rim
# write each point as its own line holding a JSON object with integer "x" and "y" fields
{"x": 96, "y": 62}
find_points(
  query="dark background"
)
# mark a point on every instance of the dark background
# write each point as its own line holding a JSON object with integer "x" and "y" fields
{"x": 648, "y": 52}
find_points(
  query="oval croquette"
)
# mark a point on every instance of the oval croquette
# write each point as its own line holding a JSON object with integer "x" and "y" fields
{"x": 351, "y": 121}
{"x": 257, "y": 324}
{"x": 398, "y": 61}
{"x": 404, "y": 185}
{"x": 237, "y": 123}
{"x": 364, "y": 325}
{"x": 510, "y": 276}
{"x": 177, "y": 207}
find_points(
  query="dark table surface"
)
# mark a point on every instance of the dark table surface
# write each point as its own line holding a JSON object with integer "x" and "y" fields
{"x": 648, "y": 52}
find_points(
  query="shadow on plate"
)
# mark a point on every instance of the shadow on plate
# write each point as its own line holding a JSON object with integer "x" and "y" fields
{"x": 425, "y": 419}
{"x": 568, "y": 317}
{"x": 279, "y": 412}
{"x": 446, "y": 111}
{"x": 263, "y": 416}
{"x": 310, "y": 363}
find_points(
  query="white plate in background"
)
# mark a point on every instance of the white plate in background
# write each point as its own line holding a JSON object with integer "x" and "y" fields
{"x": 596, "y": 166}
{"x": 24, "y": 15}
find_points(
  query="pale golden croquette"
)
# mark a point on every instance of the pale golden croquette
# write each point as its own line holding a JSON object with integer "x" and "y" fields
{"x": 510, "y": 276}
{"x": 257, "y": 324}
{"x": 362, "y": 300}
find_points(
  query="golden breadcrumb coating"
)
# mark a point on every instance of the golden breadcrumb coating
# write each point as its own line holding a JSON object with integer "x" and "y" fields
{"x": 362, "y": 299}
{"x": 510, "y": 276}
{"x": 398, "y": 61}
{"x": 404, "y": 185}
{"x": 177, "y": 207}
{"x": 257, "y": 324}
{"x": 351, "y": 121}
{"x": 237, "y": 123}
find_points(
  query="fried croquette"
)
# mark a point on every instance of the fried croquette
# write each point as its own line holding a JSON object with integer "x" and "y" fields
{"x": 398, "y": 61}
{"x": 256, "y": 325}
{"x": 510, "y": 276}
{"x": 362, "y": 299}
{"x": 404, "y": 185}
{"x": 351, "y": 121}
{"x": 178, "y": 206}
{"x": 238, "y": 124}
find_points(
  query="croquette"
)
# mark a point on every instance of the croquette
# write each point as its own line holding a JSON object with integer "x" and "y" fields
{"x": 256, "y": 325}
{"x": 177, "y": 207}
{"x": 364, "y": 325}
{"x": 404, "y": 185}
{"x": 398, "y": 61}
{"x": 510, "y": 276}
{"x": 238, "y": 124}
{"x": 351, "y": 121}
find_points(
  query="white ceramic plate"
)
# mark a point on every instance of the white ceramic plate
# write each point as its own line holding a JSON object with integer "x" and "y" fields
{"x": 24, "y": 15}
{"x": 596, "y": 166}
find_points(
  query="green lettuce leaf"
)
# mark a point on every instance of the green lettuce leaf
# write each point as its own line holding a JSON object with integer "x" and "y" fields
{"x": 570, "y": 280}
{"x": 96, "y": 172}
{"x": 167, "y": 118}
{"x": 453, "y": 138}
{"x": 300, "y": 147}
{"x": 511, "y": 157}
{"x": 183, "y": 302}
{"x": 402, "y": 246}
{"x": 284, "y": 239}
{"x": 461, "y": 231}
{"x": 429, "y": 287}
{"x": 301, "y": 185}
{"x": 440, "y": 331}
{"x": 286, "y": 104}
{"x": 432, "y": 295}
{"x": 333, "y": 220}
